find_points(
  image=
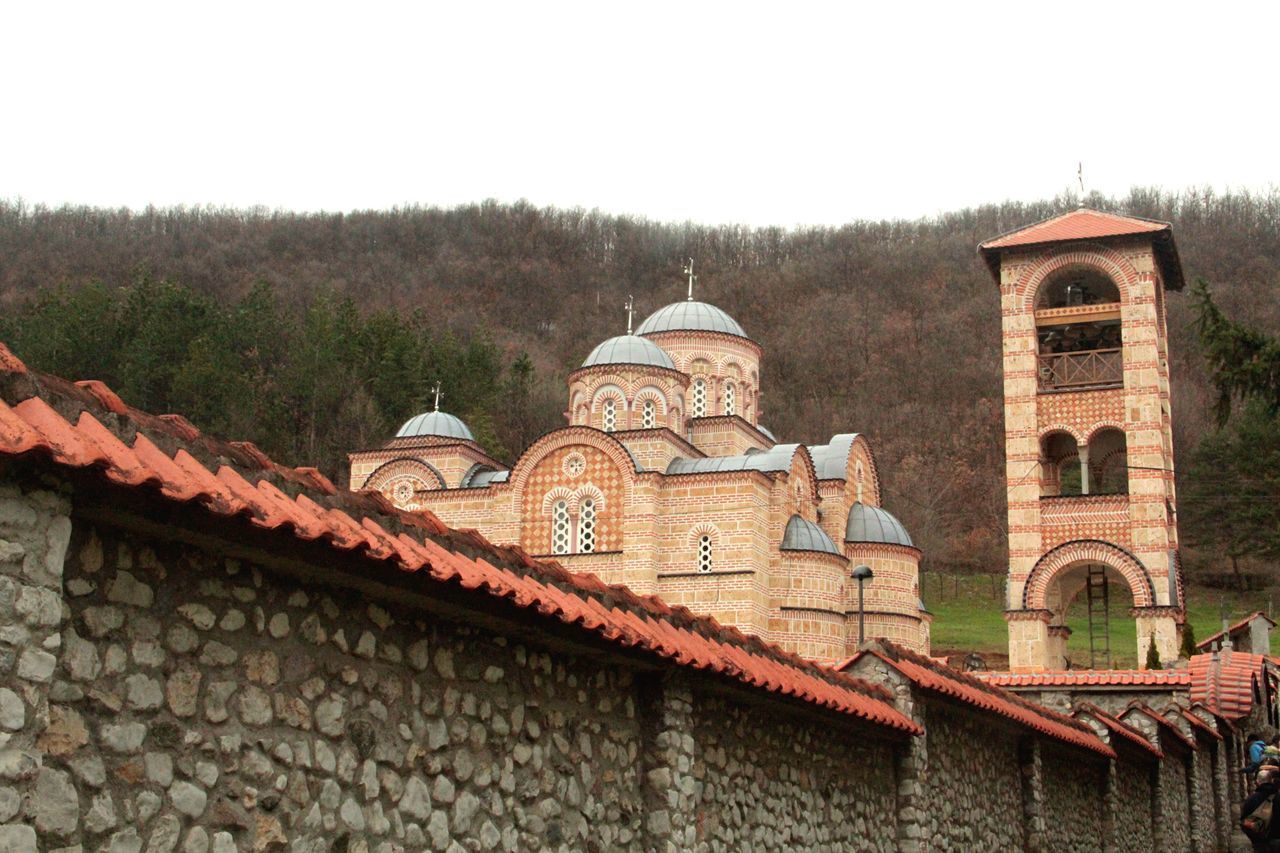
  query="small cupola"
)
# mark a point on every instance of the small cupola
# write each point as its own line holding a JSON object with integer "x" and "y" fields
{"x": 875, "y": 525}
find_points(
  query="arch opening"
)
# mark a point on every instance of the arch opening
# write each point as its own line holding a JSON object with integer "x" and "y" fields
{"x": 1078, "y": 330}
{"x": 1060, "y": 470}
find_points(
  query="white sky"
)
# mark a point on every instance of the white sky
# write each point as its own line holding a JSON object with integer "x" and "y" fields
{"x": 773, "y": 113}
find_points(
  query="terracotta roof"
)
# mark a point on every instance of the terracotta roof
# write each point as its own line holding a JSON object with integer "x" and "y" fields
{"x": 929, "y": 675}
{"x": 1197, "y": 723}
{"x": 87, "y": 426}
{"x": 1224, "y": 681}
{"x": 1088, "y": 224}
{"x": 1169, "y": 727}
{"x": 1118, "y": 727}
{"x": 1234, "y": 629}
{"x": 1090, "y": 678}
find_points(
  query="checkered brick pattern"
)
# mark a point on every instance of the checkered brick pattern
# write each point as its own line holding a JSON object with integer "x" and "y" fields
{"x": 601, "y": 473}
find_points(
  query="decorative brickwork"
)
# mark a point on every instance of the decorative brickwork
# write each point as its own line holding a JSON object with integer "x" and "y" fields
{"x": 1123, "y": 419}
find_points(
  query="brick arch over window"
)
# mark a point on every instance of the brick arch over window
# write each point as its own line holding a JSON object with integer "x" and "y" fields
{"x": 1049, "y": 430}
{"x": 1069, "y": 554}
{"x": 1109, "y": 262}
{"x": 412, "y": 468}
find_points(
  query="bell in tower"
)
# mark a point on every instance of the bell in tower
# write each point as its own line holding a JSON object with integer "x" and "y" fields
{"x": 1088, "y": 440}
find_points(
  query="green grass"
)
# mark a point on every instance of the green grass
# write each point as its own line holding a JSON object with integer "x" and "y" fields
{"x": 968, "y": 615}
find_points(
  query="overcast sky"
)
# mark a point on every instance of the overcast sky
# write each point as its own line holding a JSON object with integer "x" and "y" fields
{"x": 776, "y": 113}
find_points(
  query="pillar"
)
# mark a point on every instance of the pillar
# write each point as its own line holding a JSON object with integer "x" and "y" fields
{"x": 1028, "y": 639}
{"x": 1083, "y": 451}
{"x": 1032, "y": 795}
{"x": 1161, "y": 624}
{"x": 669, "y": 785}
{"x": 1056, "y": 646}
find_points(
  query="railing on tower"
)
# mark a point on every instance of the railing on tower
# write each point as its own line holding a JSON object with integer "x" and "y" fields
{"x": 1090, "y": 368}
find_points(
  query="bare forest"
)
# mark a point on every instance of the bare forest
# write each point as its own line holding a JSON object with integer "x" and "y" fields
{"x": 314, "y": 334}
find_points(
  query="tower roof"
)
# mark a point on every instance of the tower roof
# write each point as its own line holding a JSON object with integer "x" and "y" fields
{"x": 873, "y": 524}
{"x": 435, "y": 423}
{"x": 802, "y": 535}
{"x": 629, "y": 349}
{"x": 691, "y": 316}
{"x": 1088, "y": 224}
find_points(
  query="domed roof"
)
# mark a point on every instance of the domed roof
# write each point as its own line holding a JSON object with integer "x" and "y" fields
{"x": 629, "y": 349}
{"x": 435, "y": 423}
{"x": 872, "y": 524}
{"x": 690, "y": 315}
{"x": 804, "y": 535}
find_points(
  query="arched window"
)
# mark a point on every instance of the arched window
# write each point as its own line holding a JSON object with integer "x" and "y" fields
{"x": 560, "y": 528}
{"x": 704, "y": 553}
{"x": 1060, "y": 465}
{"x": 1108, "y": 463}
{"x": 649, "y": 414}
{"x": 730, "y": 393}
{"x": 699, "y": 397}
{"x": 610, "y": 415}
{"x": 587, "y": 527}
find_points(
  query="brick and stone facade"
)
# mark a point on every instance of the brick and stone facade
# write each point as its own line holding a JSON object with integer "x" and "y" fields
{"x": 1088, "y": 436}
{"x": 684, "y": 494}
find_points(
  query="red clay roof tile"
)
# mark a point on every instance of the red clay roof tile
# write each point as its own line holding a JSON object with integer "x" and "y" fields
{"x": 422, "y": 543}
{"x": 1118, "y": 727}
{"x": 1231, "y": 630}
{"x": 1099, "y": 678}
{"x": 963, "y": 687}
{"x": 1082, "y": 224}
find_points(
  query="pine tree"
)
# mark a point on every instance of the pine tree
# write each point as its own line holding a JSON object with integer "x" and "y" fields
{"x": 1188, "y": 641}
{"x": 1153, "y": 655}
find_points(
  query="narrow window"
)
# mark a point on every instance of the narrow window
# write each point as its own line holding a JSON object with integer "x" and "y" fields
{"x": 649, "y": 415}
{"x": 587, "y": 527}
{"x": 699, "y": 398}
{"x": 560, "y": 528}
{"x": 729, "y": 400}
{"x": 704, "y": 553}
{"x": 610, "y": 415}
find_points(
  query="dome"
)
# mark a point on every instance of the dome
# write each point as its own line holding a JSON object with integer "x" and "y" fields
{"x": 435, "y": 423}
{"x": 629, "y": 349}
{"x": 804, "y": 535}
{"x": 872, "y": 524}
{"x": 690, "y": 315}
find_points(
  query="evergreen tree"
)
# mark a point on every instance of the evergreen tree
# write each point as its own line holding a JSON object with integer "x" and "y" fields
{"x": 1188, "y": 649}
{"x": 1153, "y": 655}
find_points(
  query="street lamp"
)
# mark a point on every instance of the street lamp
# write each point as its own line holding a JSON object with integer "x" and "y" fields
{"x": 861, "y": 574}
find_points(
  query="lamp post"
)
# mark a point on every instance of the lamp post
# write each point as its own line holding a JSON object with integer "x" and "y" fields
{"x": 861, "y": 574}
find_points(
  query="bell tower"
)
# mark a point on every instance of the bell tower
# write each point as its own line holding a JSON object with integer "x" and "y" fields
{"x": 1088, "y": 441}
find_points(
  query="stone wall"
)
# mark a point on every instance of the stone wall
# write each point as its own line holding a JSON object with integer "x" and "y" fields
{"x": 1133, "y": 830}
{"x": 1175, "y": 815}
{"x": 778, "y": 785}
{"x": 1074, "y": 814}
{"x": 972, "y": 786}
{"x": 163, "y": 696}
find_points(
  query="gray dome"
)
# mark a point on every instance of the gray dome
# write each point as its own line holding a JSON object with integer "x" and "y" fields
{"x": 629, "y": 349}
{"x": 699, "y": 316}
{"x": 872, "y": 524}
{"x": 804, "y": 535}
{"x": 435, "y": 423}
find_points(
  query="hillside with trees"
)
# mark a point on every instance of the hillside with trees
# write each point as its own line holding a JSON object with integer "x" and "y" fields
{"x": 315, "y": 334}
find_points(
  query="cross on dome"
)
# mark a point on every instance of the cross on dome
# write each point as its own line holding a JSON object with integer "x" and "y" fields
{"x": 688, "y": 270}
{"x": 436, "y": 391}
{"x": 631, "y": 308}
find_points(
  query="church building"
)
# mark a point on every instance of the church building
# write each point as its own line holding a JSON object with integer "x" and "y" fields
{"x": 665, "y": 480}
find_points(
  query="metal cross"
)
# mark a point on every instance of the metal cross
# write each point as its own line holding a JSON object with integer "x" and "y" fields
{"x": 631, "y": 307}
{"x": 688, "y": 270}
{"x": 436, "y": 390}
{"x": 1080, "y": 178}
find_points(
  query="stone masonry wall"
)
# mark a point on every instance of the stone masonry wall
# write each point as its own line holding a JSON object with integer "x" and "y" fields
{"x": 973, "y": 792}
{"x": 1073, "y": 811}
{"x": 208, "y": 703}
{"x": 162, "y": 697}
{"x": 1133, "y": 830}
{"x": 34, "y": 533}
{"x": 1175, "y": 824}
{"x": 768, "y": 784}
